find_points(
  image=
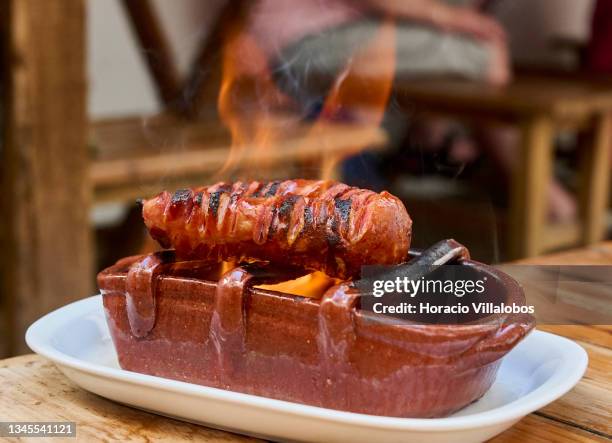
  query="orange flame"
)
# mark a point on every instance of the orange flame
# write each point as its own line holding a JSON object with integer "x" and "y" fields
{"x": 249, "y": 104}
{"x": 362, "y": 90}
{"x": 312, "y": 285}
{"x": 246, "y": 99}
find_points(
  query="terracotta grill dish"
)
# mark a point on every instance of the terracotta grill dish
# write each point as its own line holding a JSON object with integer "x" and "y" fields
{"x": 186, "y": 320}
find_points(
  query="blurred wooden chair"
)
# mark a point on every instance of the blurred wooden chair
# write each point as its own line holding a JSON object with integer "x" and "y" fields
{"x": 541, "y": 106}
{"x": 541, "y": 102}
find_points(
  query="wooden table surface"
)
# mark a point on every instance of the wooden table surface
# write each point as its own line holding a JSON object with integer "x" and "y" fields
{"x": 32, "y": 389}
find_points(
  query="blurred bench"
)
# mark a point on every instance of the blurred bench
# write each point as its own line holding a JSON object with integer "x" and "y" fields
{"x": 540, "y": 106}
{"x": 129, "y": 162}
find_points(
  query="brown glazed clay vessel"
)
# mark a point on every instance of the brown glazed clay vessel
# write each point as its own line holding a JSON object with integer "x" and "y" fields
{"x": 185, "y": 322}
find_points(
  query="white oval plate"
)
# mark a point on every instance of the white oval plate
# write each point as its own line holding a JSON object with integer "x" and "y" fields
{"x": 538, "y": 371}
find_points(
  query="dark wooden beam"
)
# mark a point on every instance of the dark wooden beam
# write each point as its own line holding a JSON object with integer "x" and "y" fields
{"x": 155, "y": 49}
{"x": 203, "y": 82}
{"x": 46, "y": 258}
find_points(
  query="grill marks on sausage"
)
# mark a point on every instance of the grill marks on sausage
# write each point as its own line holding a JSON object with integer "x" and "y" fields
{"x": 213, "y": 203}
{"x": 281, "y": 217}
{"x": 181, "y": 201}
{"x": 286, "y": 207}
{"x": 333, "y": 235}
{"x": 308, "y": 218}
{"x": 258, "y": 190}
{"x": 181, "y": 196}
{"x": 334, "y": 214}
{"x": 273, "y": 189}
{"x": 265, "y": 189}
{"x": 293, "y": 220}
{"x": 238, "y": 191}
{"x": 339, "y": 223}
{"x": 273, "y": 222}
{"x": 343, "y": 208}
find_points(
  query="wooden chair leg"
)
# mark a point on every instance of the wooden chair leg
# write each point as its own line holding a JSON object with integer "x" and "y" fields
{"x": 530, "y": 181}
{"x": 46, "y": 258}
{"x": 155, "y": 49}
{"x": 595, "y": 183}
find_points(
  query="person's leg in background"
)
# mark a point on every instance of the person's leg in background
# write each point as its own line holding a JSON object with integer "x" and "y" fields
{"x": 425, "y": 52}
{"x": 501, "y": 144}
{"x": 454, "y": 55}
{"x": 307, "y": 69}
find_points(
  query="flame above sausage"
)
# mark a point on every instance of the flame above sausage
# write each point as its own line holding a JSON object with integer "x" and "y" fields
{"x": 255, "y": 111}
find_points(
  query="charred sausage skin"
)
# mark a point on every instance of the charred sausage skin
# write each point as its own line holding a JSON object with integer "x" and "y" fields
{"x": 320, "y": 225}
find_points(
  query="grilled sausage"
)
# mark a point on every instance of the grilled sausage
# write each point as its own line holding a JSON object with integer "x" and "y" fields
{"x": 320, "y": 225}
